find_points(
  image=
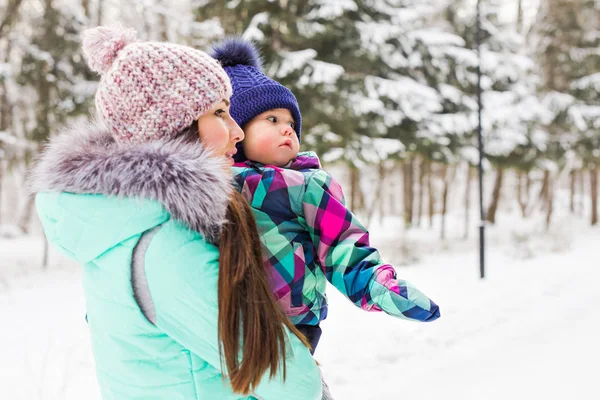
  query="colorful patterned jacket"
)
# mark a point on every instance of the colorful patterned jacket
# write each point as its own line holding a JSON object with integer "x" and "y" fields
{"x": 309, "y": 237}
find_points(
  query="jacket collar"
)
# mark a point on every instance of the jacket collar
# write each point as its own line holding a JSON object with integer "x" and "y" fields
{"x": 184, "y": 178}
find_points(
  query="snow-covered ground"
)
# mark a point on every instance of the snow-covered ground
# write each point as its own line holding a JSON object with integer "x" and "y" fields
{"x": 528, "y": 331}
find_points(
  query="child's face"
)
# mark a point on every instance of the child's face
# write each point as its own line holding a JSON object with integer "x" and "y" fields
{"x": 271, "y": 138}
{"x": 219, "y": 132}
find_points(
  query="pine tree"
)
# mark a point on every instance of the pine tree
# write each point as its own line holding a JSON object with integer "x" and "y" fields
{"x": 56, "y": 83}
{"x": 566, "y": 38}
{"x": 343, "y": 61}
{"x": 511, "y": 109}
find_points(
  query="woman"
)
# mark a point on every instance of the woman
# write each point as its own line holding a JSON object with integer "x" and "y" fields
{"x": 140, "y": 198}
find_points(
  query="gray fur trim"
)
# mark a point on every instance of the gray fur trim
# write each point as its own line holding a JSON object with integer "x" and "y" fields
{"x": 192, "y": 186}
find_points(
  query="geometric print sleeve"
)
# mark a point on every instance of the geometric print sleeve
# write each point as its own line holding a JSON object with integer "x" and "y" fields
{"x": 349, "y": 262}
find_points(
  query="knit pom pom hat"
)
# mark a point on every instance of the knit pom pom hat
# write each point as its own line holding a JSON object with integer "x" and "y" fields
{"x": 150, "y": 90}
{"x": 253, "y": 92}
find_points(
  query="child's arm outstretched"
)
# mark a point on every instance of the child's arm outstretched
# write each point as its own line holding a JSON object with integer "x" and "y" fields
{"x": 354, "y": 267}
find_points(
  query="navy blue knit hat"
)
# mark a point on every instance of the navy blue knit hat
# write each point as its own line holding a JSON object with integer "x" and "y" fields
{"x": 253, "y": 92}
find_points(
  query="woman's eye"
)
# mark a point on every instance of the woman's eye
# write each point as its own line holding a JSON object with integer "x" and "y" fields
{"x": 272, "y": 119}
{"x": 220, "y": 113}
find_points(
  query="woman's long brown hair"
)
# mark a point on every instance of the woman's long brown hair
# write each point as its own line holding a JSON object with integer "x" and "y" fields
{"x": 248, "y": 314}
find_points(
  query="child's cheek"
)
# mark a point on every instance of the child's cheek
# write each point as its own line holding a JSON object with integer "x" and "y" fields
{"x": 264, "y": 141}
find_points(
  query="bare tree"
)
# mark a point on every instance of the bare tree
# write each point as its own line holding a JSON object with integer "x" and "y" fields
{"x": 550, "y": 202}
{"x": 392, "y": 192}
{"x": 572, "y": 186}
{"x": 448, "y": 172}
{"x": 6, "y": 108}
{"x": 46, "y": 94}
{"x": 594, "y": 194}
{"x": 10, "y": 15}
{"x": 544, "y": 190}
{"x": 85, "y": 4}
{"x": 431, "y": 194}
{"x": 581, "y": 196}
{"x": 408, "y": 191}
{"x": 520, "y": 16}
{"x": 99, "y": 12}
{"x": 421, "y": 200}
{"x": 523, "y": 189}
{"x": 491, "y": 213}
{"x": 377, "y": 200}
{"x": 383, "y": 173}
{"x": 5, "y": 119}
{"x": 357, "y": 200}
{"x": 163, "y": 22}
{"x": 468, "y": 199}
{"x": 26, "y": 213}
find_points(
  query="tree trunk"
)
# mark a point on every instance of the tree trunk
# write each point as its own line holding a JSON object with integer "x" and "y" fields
{"x": 163, "y": 24}
{"x": 468, "y": 199}
{"x": 523, "y": 187}
{"x": 43, "y": 110}
{"x": 549, "y": 201}
{"x": 383, "y": 174}
{"x": 45, "y": 256}
{"x": 1, "y": 181}
{"x": 447, "y": 173}
{"x": 357, "y": 198}
{"x": 430, "y": 194}
{"x": 85, "y": 4}
{"x": 408, "y": 192}
{"x": 522, "y": 204}
{"x": 520, "y": 16}
{"x": 527, "y": 195}
{"x": 422, "y": 172}
{"x": 581, "y": 197}
{"x": 25, "y": 218}
{"x": 100, "y": 12}
{"x": 393, "y": 191}
{"x": 10, "y": 16}
{"x": 573, "y": 180}
{"x": 544, "y": 190}
{"x": 594, "y": 194}
{"x": 5, "y": 106}
{"x": 353, "y": 187}
{"x": 491, "y": 214}
{"x": 6, "y": 110}
{"x": 360, "y": 196}
{"x": 377, "y": 198}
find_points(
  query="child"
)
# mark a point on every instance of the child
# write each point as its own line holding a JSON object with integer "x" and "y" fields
{"x": 308, "y": 235}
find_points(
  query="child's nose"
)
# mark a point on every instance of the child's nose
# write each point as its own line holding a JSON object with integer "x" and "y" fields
{"x": 287, "y": 130}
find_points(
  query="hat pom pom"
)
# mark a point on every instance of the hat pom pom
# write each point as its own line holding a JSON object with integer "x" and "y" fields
{"x": 237, "y": 51}
{"x": 101, "y": 45}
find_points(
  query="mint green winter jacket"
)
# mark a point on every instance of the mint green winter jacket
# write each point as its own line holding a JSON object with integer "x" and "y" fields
{"x": 154, "y": 332}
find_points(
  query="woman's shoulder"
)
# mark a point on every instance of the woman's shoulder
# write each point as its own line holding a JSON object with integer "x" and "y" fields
{"x": 179, "y": 257}
{"x": 173, "y": 235}
{"x": 187, "y": 180}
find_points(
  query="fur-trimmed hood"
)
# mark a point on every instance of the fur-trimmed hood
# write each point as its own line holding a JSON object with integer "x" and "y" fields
{"x": 191, "y": 185}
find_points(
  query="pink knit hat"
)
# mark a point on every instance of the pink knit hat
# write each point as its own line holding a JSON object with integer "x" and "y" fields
{"x": 151, "y": 90}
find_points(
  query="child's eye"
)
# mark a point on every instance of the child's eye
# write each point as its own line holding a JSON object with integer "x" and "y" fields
{"x": 293, "y": 125}
{"x": 272, "y": 119}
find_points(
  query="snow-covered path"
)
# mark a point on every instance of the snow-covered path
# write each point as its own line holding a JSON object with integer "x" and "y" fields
{"x": 528, "y": 331}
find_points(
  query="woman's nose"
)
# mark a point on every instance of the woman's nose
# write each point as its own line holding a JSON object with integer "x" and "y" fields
{"x": 235, "y": 132}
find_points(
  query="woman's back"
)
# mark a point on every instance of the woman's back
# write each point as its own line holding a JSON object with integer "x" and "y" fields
{"x": 134, "y": 358}
{"x": 170, "y": 350}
